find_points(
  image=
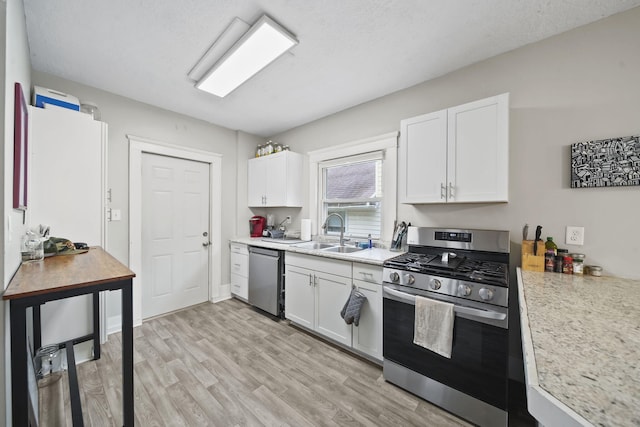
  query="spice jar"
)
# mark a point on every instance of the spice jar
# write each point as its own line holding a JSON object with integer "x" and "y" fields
{"x": 578, "y": 263}
{"x": 595, "y": 270}
{"x": 567, "y": 265}
{"x": 259, "y": 151}
{"x": 559, "y": 260}
{"x": 549, "y": 261}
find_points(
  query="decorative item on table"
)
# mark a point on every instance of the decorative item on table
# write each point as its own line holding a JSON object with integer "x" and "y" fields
{"x": 43, "y": 96}
{"x": 33, "y": 243}
{"x": 533, "y": 257}
{"x": 606, "y": 162}
{"x": 60, "y": 246}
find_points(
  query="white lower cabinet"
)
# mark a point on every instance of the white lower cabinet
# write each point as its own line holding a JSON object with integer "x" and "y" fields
{"x": 367, "y": 336}
{"x": 317, "y": 289}
{"x": 239, "y": 261}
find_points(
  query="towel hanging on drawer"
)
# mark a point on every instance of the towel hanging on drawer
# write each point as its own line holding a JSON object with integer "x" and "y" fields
{"x": 351, "y": 310}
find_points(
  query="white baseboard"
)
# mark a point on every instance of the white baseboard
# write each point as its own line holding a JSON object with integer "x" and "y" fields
{"x": 114, "y": 324}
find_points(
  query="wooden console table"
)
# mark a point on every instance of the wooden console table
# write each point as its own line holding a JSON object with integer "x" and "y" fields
{"x": 58, "y": 277}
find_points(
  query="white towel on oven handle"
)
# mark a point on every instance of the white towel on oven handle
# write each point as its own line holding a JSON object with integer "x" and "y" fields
{"x": 433, "y": 328}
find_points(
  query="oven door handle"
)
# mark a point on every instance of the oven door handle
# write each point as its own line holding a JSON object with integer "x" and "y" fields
{"x": 411, "y": 299}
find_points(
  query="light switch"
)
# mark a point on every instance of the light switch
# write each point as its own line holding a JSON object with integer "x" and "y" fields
{"x": 116, "y": 215}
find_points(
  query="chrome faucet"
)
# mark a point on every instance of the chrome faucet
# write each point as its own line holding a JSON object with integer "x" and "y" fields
{"x": 324, "y": 226}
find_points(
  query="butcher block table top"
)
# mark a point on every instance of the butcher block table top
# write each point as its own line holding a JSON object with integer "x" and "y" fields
{"x": 64, "y": 272}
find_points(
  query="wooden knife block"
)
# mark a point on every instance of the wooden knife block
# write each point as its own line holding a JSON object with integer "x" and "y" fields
{"x": 530, "y": 261}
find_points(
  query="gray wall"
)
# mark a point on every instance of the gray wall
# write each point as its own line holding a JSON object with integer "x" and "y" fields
{"x": 126, "y": 116}
{"x": 577, "y": 86}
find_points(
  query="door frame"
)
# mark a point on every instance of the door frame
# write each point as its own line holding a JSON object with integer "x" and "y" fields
{"x": 138, "y": 146}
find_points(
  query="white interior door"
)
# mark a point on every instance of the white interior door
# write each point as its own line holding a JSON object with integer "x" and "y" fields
{"x": 175, "y": 233}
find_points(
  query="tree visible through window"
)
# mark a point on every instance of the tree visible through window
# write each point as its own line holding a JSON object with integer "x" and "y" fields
{"x": 352, "y": 188}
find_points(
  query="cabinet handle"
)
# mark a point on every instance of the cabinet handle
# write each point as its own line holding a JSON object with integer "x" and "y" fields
{"x": 310, "y": 284}
{"x": 237, "y": 265}
{"x": 443, "y": 191}
{"x": 450, "y": 191}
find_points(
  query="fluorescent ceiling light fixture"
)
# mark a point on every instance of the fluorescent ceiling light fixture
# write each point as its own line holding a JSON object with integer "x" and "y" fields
{"x": 261, "y": 45}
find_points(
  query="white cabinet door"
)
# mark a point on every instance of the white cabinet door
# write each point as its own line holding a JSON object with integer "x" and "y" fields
{"x": 332, "y": 292}
{"x": 367, "y": 336}
{"x": 422, "y": 158}
{"x": 256, "y": 181}
{"x": 478, "y": 151}
{"x": 276, "y": 180}
{"x": 299, "y": 296}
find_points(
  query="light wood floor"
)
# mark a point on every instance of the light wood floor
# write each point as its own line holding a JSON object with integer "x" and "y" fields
{"x": 226, "y": 365}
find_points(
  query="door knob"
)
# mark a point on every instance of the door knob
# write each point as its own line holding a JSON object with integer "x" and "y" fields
{"x": 205, "y": 234}
{"x": 206, "y": 244}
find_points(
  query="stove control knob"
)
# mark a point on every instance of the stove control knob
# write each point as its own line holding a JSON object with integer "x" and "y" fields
{"x": 394, "y": 277}
{"x": 435, "y": 284}
{"x": 464, "y": 290}
{"x": 486, "y": 294}
{"x": 410, "y": 279}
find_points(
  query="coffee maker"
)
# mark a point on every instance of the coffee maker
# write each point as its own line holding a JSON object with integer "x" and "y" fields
{"x": 257, "y": 225}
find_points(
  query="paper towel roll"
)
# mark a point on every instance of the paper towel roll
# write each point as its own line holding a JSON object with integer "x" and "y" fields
{"x": 305, "y": 229}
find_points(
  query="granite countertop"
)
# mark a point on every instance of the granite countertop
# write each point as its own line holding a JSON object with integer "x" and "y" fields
{"x": 581, "y": 340}
{"x": 375, "y": 256}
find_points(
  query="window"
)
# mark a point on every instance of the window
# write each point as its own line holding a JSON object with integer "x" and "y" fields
{"x": 357, "y": 180}
{"x": 352, "y": 188}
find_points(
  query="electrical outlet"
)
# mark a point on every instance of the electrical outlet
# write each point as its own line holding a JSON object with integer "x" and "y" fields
{"x": 575, "y": 235}
{"x": 288, "y": 219}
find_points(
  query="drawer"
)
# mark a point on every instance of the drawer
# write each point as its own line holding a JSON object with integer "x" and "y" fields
{"x": 239, "y": 248}
{"x": 240, "y": 286}
{"x": 319, "y": 263}
{"x": 240, "y": 264}
{"x": 367, "y": 273}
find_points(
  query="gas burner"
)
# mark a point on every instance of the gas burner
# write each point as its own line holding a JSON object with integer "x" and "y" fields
{"x": 458, "y": 266}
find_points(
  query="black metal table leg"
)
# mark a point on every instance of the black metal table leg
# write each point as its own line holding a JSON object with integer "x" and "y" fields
{"x": 96, "y": 325}
{"x": 74, "y": 389}
{"x": 37, "y": 328}
{"x": 127, "y": 355}
{"x": 19, "y": 372}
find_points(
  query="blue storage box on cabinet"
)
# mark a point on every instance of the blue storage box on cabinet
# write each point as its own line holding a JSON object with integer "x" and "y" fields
{"x": 42, "y": 96}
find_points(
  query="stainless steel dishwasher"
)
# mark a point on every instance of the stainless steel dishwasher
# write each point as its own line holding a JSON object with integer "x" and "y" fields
{"x": 266, "y": 280}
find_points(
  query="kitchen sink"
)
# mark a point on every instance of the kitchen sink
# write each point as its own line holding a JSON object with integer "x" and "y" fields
{"x": 314, "y": 245}
{"x": 342, "y": 249}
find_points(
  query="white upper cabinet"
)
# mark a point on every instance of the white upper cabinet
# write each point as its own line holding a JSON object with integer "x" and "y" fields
{"x": 458, "y": 155}
{"x": 275, "y": 180}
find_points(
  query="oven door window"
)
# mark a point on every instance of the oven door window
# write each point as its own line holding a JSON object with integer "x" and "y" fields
{"x": 478, "y": 364}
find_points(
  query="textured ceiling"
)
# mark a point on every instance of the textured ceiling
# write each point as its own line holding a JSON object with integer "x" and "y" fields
{"x": 350, "y": 51}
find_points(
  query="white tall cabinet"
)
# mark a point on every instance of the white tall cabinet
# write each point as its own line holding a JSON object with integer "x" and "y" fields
{"x": 66, "y": 190}
{"x": 457, "y": 155}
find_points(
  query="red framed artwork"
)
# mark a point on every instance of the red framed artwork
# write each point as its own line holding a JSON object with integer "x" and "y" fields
{"x": 20, "y": 153}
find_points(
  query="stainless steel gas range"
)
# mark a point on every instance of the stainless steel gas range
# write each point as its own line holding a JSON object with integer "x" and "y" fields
{"x": 470, "y": 270}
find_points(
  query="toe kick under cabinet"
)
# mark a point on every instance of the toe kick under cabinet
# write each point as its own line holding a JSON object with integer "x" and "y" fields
{"x": 316, "y": 291}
